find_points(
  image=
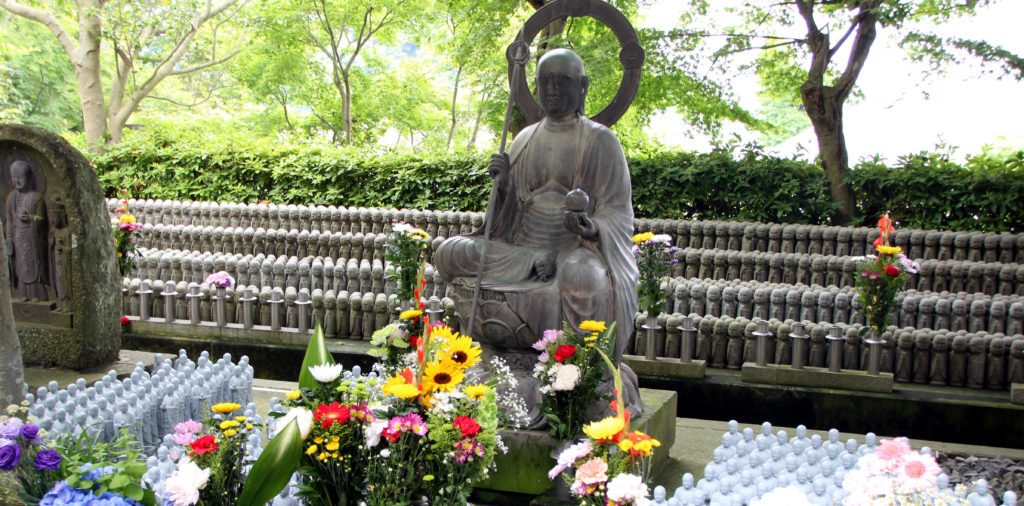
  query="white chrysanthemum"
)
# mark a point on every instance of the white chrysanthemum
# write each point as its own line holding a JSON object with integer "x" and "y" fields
{"x": 660, "y": 239}
{"x": 373, "y": 432}
{"x": 783, "y": 496}
{"x": 567, "y": 378}
{"x": 401, "y": 227}
{"x": 325, "y": 373}
{"x": 303, "y": 416}
{"x": 183, "y": 487}
{"x": 628, "y": 488}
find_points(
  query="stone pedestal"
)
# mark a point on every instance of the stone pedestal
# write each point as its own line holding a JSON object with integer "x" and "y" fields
{"x": 665, "y": 367}
{"x": 1017, "y": 393}
{"x": 71, "y": 317}
{"x": 818, "y": 377}
{"x": 524, "y": 469}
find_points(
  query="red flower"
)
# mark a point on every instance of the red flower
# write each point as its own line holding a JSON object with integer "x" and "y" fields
{"x": 329, "y": 414}
{"x": 125, "y": 321}
{"x": 892, "y": 271}
{"x": 204, "y": 445}
{"x": 414, "y": 341}
{"x": 407, "y": 375}
{"x": 466, "y": 425}
{"x": 564, "y": 352}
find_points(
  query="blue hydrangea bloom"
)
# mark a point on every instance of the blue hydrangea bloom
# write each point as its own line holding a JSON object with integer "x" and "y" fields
{"x": 63, "y": 494}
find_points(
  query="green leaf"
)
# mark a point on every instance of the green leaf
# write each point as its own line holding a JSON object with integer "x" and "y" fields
{"x": 271, "y": 472}
{"x": 119, "y": 481}
{"x": 316, "y": 354}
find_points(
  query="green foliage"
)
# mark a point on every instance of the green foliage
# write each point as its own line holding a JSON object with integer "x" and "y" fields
{"x": 920, "y": 191}
{"x": 84, "y": 454}
{"x": 37, "y": 83}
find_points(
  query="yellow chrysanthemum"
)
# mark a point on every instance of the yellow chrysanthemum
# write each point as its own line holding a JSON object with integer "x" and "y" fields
{"x": 593, "y": 326}
{"x": 410, "y": 314}
{"x": 293, "y": 395}
{"x": 225, "y": 407}
{"x": 249, "y": 426}
{"x": 311, "y": 450}
{"x": 230, "y": 432}
{"x": 228, "y": 424}
{"x": 332, "y": 446}
{"x": 241, "y": 418}
{"x": 460, "y": 351}
{"x": 477, "y": 392}
{"x": 441, "y": 376}
{"x": 403, "y": 391}
{"x": 889, "y": 250}
{"x": 603, "y": 430}
{"x": 642, "y": 237}
{"x": 126, "y": 218}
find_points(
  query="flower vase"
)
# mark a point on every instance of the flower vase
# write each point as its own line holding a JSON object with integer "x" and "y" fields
{"x": 652, "y": 330}
{"x": 874, "y": 353}
{"x": 560, "y": 491}
{"x": 221, "y": 309}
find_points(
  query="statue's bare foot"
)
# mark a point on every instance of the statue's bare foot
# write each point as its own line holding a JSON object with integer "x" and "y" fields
{"x": 544, "y": 267}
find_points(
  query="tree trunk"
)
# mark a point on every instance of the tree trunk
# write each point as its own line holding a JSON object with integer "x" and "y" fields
{"x": 825, "y": 111}
{"x": 455, "y": 97}
{"x": 87, "y": 73}
{"x": 12, "y": 371}
{"x": 346, "y": 108}
{"x": 476, "y": 123}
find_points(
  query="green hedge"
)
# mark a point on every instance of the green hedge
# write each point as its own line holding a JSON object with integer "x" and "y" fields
{"x": 920, "y": 191}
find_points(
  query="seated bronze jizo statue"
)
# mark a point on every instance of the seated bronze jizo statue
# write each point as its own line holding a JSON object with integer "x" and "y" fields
{"x": 561, "y": 233}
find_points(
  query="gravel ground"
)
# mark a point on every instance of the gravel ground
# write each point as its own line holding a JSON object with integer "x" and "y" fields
{"x": 1002, "y": 473}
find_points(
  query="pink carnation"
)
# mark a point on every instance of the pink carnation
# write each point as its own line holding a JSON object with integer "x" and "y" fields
{"x": 592, "y": 472}
{"x": 893, "y": 449}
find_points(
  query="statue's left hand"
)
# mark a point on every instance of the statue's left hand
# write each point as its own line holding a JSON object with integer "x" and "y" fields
{"x": 580, "y": 224}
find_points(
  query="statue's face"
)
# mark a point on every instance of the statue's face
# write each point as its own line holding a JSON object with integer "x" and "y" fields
{"x": 20, "y": 176}
{"x": 561, "y": 84}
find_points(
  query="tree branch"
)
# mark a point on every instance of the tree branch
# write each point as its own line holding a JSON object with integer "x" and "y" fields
{"x": 767, "y": 46}
{"x": 861, "y": 46}
{"x": 204, "y": 65}
{"x": 46, "y": 19}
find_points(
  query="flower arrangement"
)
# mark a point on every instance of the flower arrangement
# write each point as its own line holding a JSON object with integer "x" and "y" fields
{"x": 126, "y": 234}
{"x": 391, "y": 344}
{"x": 894, "y": 474}
{"x": 24, "y": 454}
{"x": 654, "y": 256}
{"x": 569, "y": 369}
{"x": 220, "y": 279}
{"x": 612, "y": 464}
{"x": 881, "y": 277}
{"x": 405, "y": 251}
{"x": 211, "y": 470}
{"x": 441, "y": 432}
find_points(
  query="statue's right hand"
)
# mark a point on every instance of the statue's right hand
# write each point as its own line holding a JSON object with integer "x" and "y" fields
{"x": 498, "y": 168}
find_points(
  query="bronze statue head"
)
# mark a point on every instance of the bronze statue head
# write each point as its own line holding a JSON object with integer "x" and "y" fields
{"x": 561, "y": 83}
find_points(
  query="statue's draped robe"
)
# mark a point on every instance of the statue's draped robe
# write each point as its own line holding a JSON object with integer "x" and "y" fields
{"x": 27, "y": 244}
{"x": 593, "y": 279}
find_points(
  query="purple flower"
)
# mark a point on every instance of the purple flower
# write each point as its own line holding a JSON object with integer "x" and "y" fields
{"x": 909, "y": 265}
{"x": 30, "y": 432}
{"x": 9, "y": 457}
{"x": 220, "y": 279}
{"x": 11, "y": 429}
{"x": 48, "y": 460}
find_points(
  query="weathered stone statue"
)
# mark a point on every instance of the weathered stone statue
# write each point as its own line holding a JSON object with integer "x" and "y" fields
{"x": 556, "y": 254}
{"x": 26, "y": 221}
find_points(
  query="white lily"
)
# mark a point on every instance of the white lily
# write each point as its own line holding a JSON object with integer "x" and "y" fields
{"x": 302, "y": 416}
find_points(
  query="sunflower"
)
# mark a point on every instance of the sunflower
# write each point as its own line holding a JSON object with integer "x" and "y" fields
{"x": 441, "y": 376}
{"x": 443, "y": 334}
{"x": 460, "y": 351}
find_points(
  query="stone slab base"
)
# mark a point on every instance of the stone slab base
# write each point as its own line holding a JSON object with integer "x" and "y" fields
{"x": 1017, "y": 393}
{"x": 817, "y": 377}
{"x": 665, "y": 367}
{"x": 41, "y": 313}
{"x": 524, "y": 469}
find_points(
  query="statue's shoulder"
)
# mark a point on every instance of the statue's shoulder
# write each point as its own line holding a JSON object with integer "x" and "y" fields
{"x": 600, "y": 133}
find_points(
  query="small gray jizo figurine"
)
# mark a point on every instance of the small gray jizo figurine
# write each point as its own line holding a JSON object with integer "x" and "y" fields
{"x": 980, "y": 495}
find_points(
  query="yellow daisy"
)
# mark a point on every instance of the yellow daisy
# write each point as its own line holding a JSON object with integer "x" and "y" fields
{"x": 441, "y": 376}
{"x": 477, "y": 392}
{"x": 606, "y": 429}
{"x": 460, "y": 351}
{"x": 225, "y": 407}
{"x": 644, "y": 237}
{"x": 889, "y": 250}
{"x": 593, "y": 326}
{"x": 410, "y": 314}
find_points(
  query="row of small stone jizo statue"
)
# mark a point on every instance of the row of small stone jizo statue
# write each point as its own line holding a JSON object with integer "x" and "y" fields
{"x": 943, "y": 357}
{"x": 738, "y": 236}
{"x": 937, "y": 275}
